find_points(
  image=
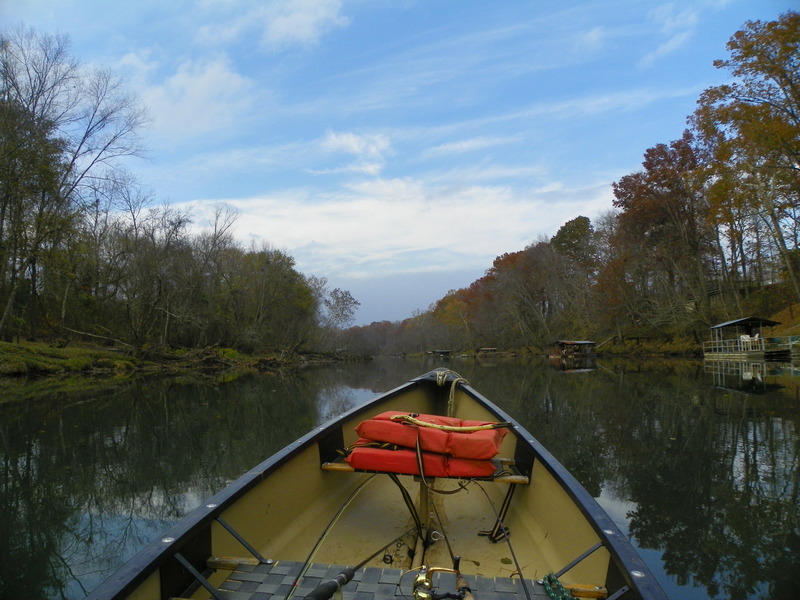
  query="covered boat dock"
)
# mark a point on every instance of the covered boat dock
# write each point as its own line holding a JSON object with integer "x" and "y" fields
{"x": 743, "y": 339}
{"x": 572, "y": 348}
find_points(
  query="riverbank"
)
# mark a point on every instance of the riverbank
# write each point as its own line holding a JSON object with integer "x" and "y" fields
{"x": 35, "y": 359}
{"x": 37, "y": 370}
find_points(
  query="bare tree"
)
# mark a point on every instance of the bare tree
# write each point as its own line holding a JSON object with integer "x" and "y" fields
{"x": 78, "y": 124}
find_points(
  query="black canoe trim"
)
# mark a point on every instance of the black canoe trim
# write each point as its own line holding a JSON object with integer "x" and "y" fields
{"x": 635, "y": 572}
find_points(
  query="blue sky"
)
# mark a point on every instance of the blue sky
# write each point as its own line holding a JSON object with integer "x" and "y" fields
{"x": 397, "y": 147}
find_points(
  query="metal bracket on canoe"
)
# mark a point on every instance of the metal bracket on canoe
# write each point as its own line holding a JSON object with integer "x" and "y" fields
{"x": 240, "y": 539}
{"x": 198, "y": 576}
{"x": 574, "y": 562}
{"x": 619, "y": 593}
{"x": 500, "y": 531}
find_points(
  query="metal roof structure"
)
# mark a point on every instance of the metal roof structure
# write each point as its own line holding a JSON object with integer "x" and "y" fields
{"x": 746, "y": 322}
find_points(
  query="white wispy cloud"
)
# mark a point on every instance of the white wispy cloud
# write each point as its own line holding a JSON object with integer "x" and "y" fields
{"x": 394, "y": 225}
{"x": 299, "y": 21}
{"x": 674, "y": 21}
{"x": 369, "y": 149}
{"x": 200, "y": 97}
{"x": 592, "y": 40}
{"x": 472, "y": 144}
{"x": 571, "y": 109}
{"x": 278, "y": 23}
{"x": 368, "y": 145}
{"x": 677, "y": 26}
{"x": 668, "y": 47}
{"x": 480, "y": 173}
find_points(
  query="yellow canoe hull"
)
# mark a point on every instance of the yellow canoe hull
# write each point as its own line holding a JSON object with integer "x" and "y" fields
{"x": 305, "y": 506}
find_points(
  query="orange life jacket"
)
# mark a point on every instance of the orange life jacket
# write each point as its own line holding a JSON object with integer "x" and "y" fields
{"x": 405, "y": 460}
{"x": 479, "y": 445}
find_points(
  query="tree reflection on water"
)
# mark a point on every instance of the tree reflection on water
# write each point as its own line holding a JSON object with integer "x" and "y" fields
{"x": 88, "y": 481}
{"x": 704, "y": 478}
{"x": 708, "y": 475}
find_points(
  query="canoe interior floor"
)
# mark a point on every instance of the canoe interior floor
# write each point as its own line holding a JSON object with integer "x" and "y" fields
{"x": 273, "y": 582}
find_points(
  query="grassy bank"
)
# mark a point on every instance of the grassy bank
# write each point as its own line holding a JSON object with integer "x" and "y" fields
{"x": 31, "y": 359}
{"x": 638, "y": 347}
{"x": 34, "y": 360}
{"x": 37, "y": 360}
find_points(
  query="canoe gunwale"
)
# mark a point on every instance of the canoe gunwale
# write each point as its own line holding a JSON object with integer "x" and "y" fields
{"x": 157, "y": 553}
{"x": 196, "y": 525}
{"x": 612, "y": 538}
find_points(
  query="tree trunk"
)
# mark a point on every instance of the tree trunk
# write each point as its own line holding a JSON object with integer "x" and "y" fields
{"x": 787, "y": 259}
{"x": 7, "y": 312}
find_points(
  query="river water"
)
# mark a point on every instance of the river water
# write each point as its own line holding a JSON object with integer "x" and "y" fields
{"x": 697, "y": 463}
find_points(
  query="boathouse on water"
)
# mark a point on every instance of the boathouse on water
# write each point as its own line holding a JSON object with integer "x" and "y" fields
{"x": 743, "y": 339}
{"x": 572, "y": 348}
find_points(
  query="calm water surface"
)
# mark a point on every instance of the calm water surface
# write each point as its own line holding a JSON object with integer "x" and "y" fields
{"x": 699, "y": 468}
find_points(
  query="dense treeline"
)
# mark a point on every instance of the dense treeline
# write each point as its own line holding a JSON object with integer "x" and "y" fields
{"x": 85, "y": 252}
{"x": 707, "y": 230}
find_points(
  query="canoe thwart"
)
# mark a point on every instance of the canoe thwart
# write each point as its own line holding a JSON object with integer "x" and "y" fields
{"x": 229, "y": 563}
{"x": 507, "y": 471}
{"x": 584, "y": 590}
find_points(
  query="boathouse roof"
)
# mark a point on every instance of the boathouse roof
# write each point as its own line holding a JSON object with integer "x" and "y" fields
{"x": 746, "y": 321}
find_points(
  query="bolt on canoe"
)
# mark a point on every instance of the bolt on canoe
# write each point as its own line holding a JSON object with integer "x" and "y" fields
{"x": 429, "y": 491}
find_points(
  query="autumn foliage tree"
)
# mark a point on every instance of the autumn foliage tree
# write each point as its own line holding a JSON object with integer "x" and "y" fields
{"x": 704, "y": 231}
{"x": 751, "y": 132}
{"x": 663, "y": 236}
